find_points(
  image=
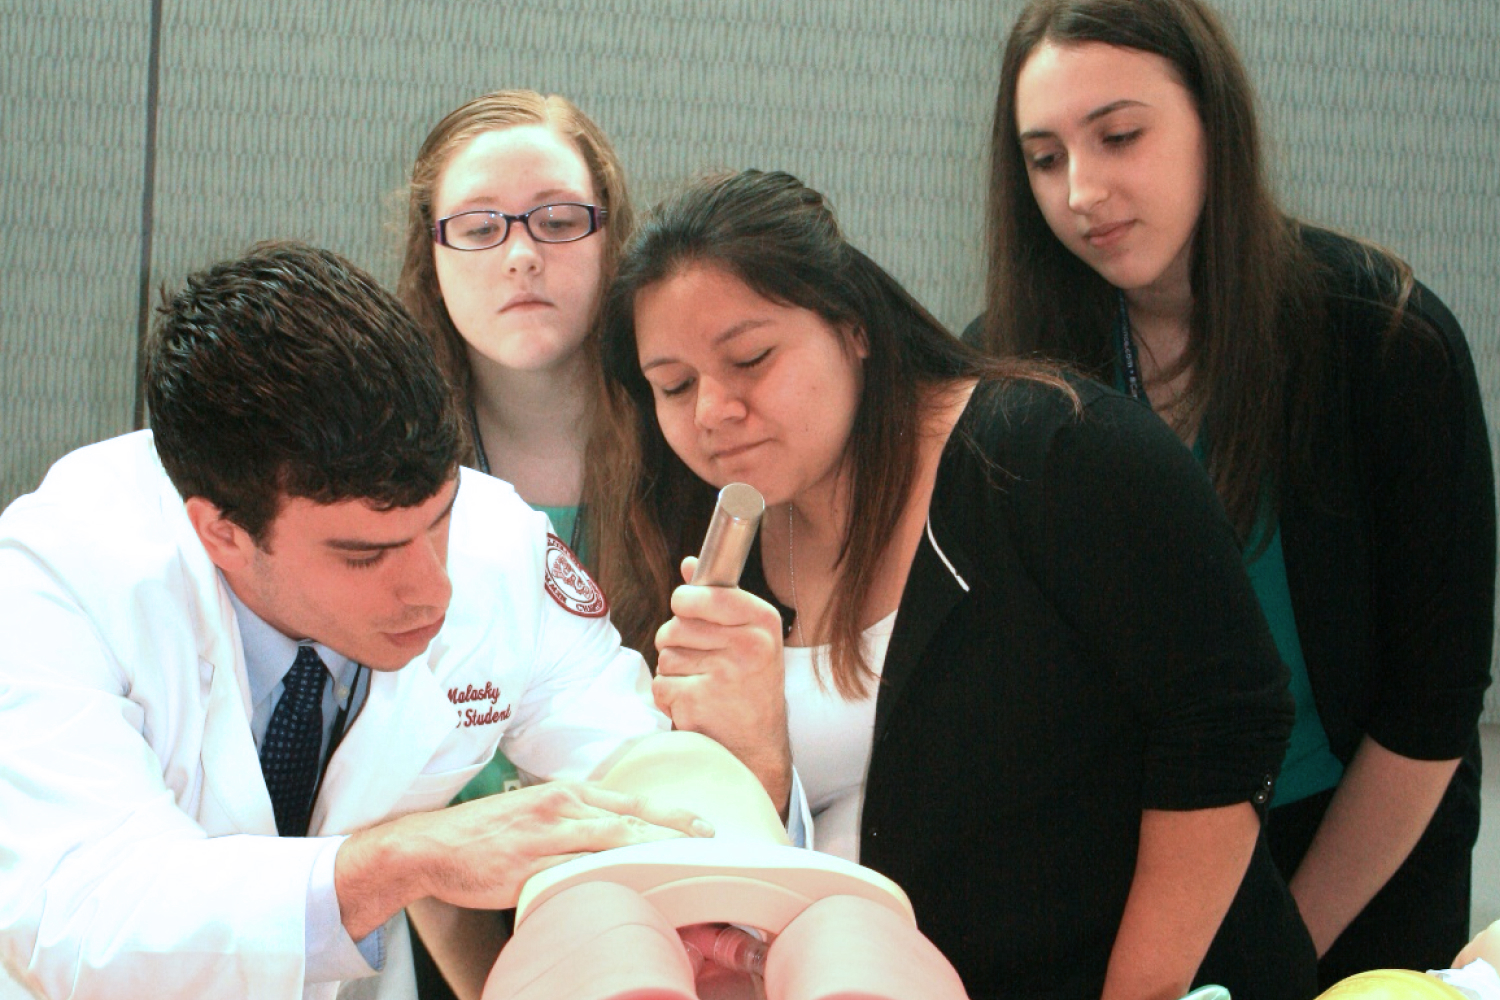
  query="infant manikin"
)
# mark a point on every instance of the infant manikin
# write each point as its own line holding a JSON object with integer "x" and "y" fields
{"x": 651, "y": 922}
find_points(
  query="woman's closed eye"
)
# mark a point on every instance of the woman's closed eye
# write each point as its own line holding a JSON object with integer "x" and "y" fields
{"x": 675, "y": 388}
{"x": 1124, "y": 138}
{"x": 755, "y": 360}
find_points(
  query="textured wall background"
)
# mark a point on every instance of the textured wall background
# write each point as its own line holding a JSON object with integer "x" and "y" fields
{"x": 71, "y": 114}
{"x": 281, "y": 120}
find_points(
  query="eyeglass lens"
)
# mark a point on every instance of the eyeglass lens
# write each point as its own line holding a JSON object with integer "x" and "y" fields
{"x": 546, "y": 224}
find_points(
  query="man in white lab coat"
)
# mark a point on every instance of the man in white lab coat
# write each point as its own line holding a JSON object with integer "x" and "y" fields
{"x": 299, "y": 491}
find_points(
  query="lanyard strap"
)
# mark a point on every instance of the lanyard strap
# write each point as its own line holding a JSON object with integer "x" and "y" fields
{"x": 341, "y": 722}
{"x": 1129, "y": 364}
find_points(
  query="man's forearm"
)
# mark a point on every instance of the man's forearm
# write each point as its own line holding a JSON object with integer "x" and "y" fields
{"x": 378, "y": 872}
{"x": 479, "y": 854}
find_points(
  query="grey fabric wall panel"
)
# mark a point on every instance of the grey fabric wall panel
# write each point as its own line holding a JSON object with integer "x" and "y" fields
{"x": 1384, "y": 123}
{"x": 71, "y": 169}
{"x": 278, "y": 121}
{"x": 299, "y": 120}
{"x": 881, "y": 106}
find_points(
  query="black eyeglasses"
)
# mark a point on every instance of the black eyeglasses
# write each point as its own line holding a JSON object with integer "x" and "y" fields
{"x": 561, "y": 223}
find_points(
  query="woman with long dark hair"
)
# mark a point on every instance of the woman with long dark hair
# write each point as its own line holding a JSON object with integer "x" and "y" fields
{"x": 1334, "y": 404}
{"x": 976, "y": 598}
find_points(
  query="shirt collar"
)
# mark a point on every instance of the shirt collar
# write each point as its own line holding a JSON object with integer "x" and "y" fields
{"x": 269, "y": 654}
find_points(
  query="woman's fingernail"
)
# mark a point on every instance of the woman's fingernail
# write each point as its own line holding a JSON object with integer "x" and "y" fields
{"x": 702, "y": 828}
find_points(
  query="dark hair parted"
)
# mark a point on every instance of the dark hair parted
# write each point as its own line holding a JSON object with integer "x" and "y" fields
{"x": 781, "y": 239}
{"x": 291, "y": 373}
{"x": 1256, "y": 375}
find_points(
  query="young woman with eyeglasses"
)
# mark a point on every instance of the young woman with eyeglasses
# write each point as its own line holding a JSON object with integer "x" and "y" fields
{"x": 1000, "y": 688}
{"x": 517, "y": 209}
{"x": 1334, "y": 404}
{"x": 517, "y": 213}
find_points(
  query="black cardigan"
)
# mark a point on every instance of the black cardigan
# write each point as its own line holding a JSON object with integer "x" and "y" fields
{"x": 1390, "y": 554}
{"x": 1391, "y": 550}
{"x": 1390, "y": 557}
{"x": 1103, "y": 654}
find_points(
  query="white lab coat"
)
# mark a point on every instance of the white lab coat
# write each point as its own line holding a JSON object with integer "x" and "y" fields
{"x": 138, "y": 850}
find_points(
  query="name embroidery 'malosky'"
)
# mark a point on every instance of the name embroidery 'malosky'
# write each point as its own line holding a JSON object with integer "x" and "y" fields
{"x": 469, "y": 694}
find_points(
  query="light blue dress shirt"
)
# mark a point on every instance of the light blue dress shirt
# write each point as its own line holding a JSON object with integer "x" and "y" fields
{"x": 332, "y": 954}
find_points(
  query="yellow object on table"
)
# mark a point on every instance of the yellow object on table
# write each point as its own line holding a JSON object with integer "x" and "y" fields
{"x": 1391, "y": 984}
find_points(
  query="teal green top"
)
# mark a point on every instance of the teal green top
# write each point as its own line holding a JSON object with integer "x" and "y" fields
{"x": 1309, "y": 766}
{"x": 500, "y": 775}
{"x": 565, "y": 526}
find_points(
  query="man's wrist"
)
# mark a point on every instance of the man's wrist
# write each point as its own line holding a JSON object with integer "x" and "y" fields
{"x": 377, "y": 872}
{"x": 332, "y": 955}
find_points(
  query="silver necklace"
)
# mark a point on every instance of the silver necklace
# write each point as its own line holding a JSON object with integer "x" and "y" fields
{"x": 791, "y": 565}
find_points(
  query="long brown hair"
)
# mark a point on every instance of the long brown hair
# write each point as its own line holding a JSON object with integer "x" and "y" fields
{"x": 781, "y": 239}
{"x": 418, "y": 286}
{"x": 1257, "y": 374}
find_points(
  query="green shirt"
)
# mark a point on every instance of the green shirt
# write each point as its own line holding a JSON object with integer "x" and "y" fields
{"x": 1309, "y": 766}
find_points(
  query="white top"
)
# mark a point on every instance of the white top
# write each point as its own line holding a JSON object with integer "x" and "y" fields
{"x": 832, "y": 738}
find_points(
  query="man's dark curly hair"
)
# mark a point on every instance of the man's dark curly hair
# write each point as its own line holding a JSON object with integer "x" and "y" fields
{"x": 291, "y": 373}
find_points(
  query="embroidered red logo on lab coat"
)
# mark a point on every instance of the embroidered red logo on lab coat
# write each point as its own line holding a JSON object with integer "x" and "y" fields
{"x": 570, "y": 584}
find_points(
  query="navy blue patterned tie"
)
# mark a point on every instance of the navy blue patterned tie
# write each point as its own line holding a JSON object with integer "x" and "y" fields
{"x": 289, "y": 755}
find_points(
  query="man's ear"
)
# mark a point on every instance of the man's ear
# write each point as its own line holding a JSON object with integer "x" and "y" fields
{"x": 228, "y": 545}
